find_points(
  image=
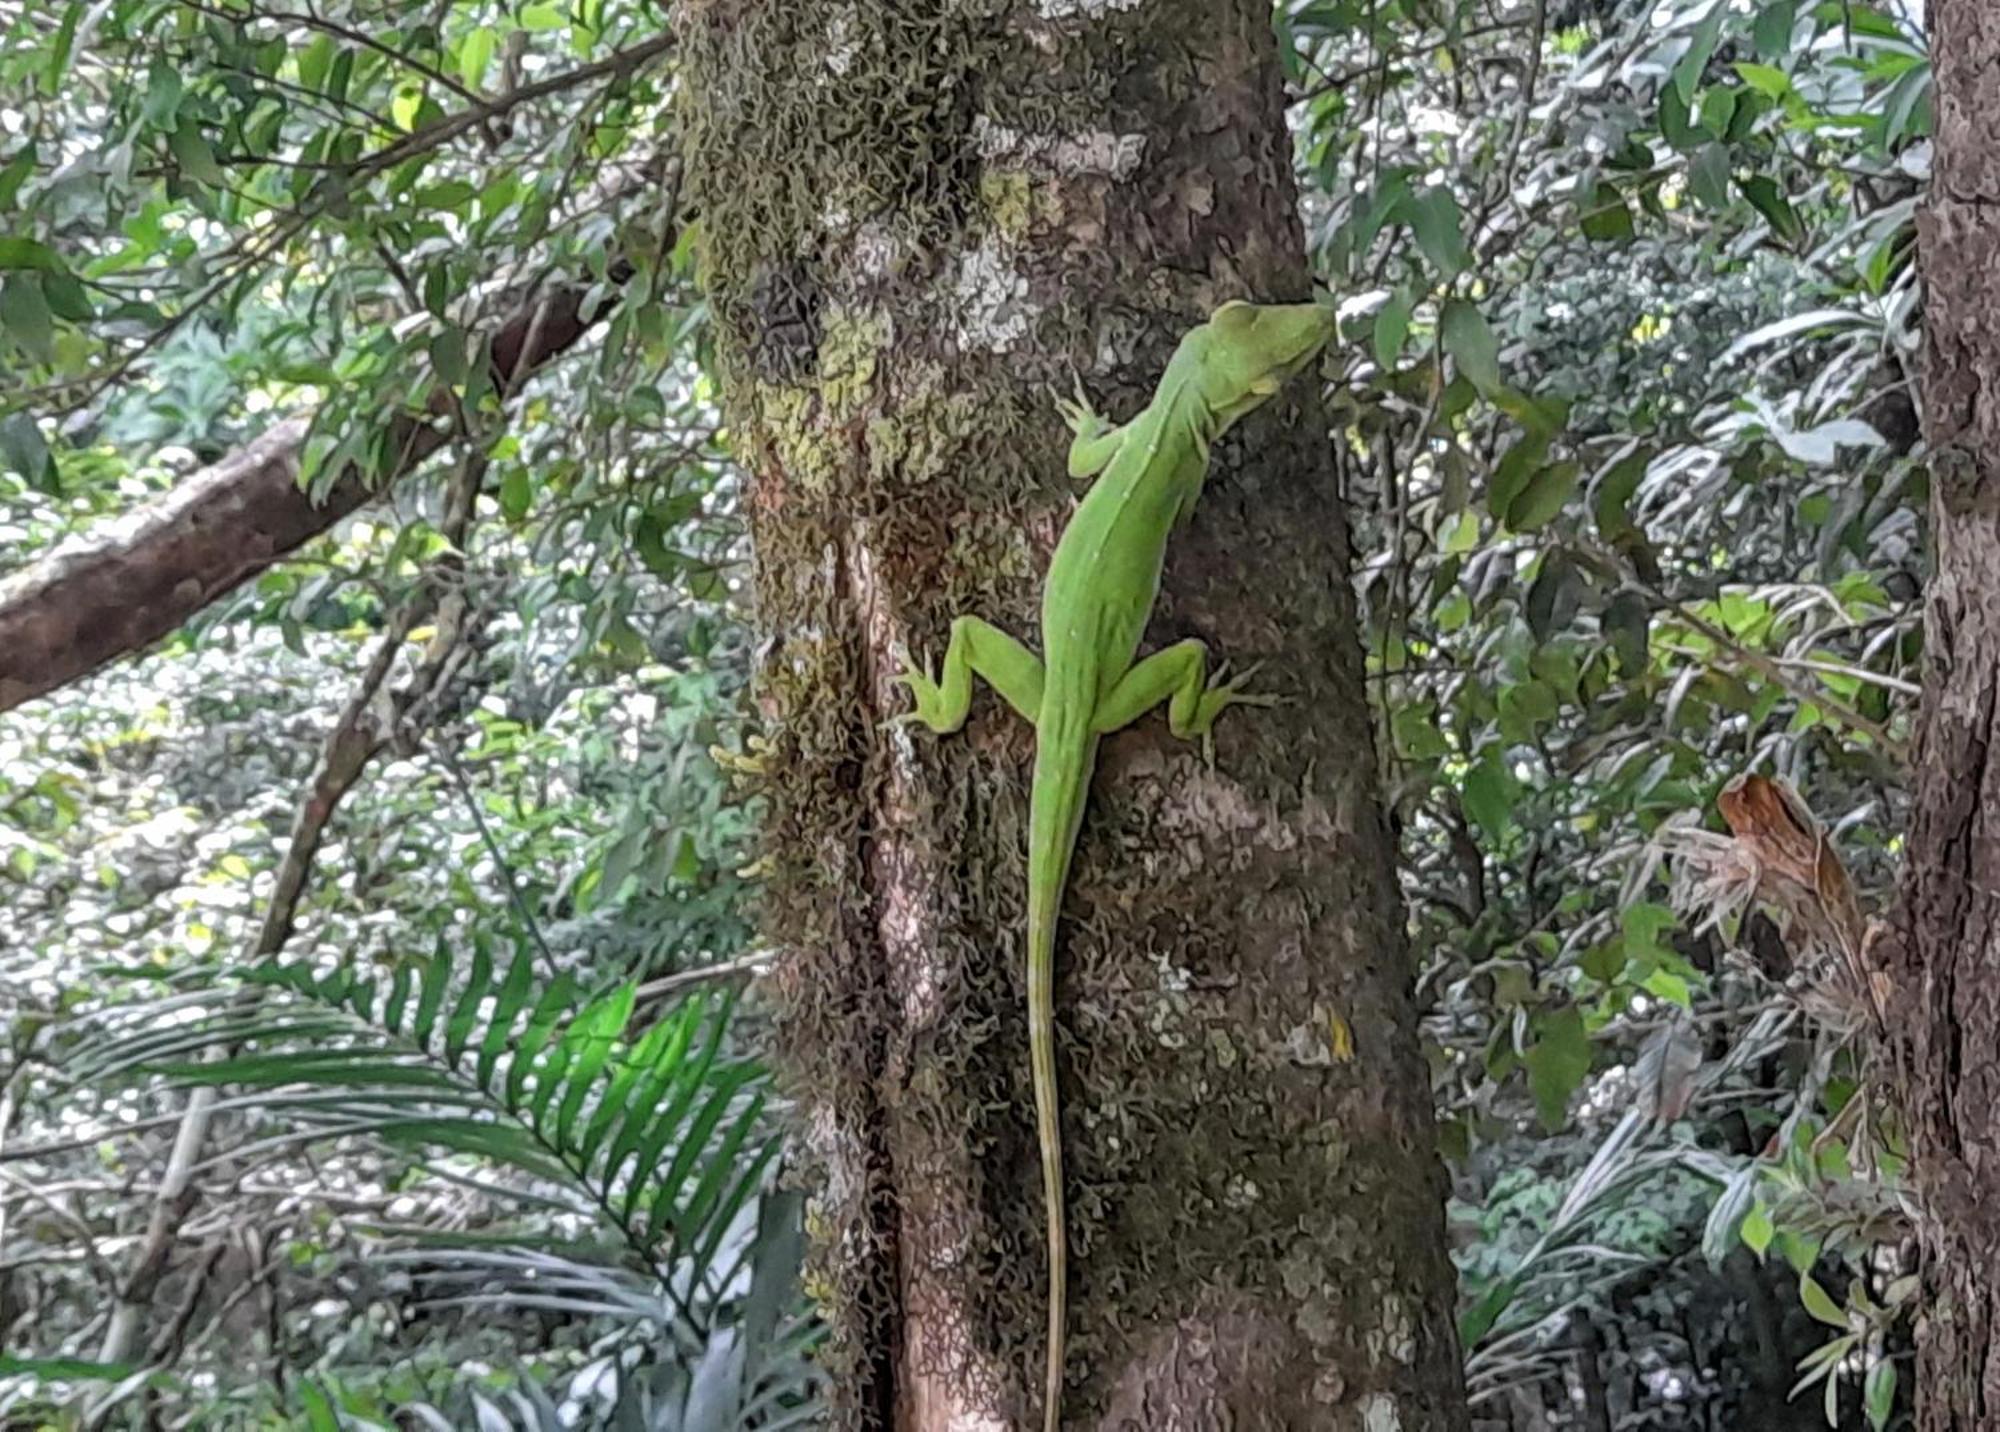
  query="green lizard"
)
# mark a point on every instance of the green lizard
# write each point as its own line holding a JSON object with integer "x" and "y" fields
{"x": 1099, "y": 592}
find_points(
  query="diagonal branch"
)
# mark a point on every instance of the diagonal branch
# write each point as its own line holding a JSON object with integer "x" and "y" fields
{"x": 126, "y": 584}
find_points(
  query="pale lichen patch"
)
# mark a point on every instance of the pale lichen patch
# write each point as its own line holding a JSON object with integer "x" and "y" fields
{"x": 1379, "y": 1413}
{"x": 1070, "y": 9}
{"x": 992, "y": 298}
{"x": 1101, "y": 152}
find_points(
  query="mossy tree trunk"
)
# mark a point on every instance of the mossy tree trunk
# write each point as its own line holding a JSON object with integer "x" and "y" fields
{"x": 920, "y": 222}
{"x": 1947, "y": 966}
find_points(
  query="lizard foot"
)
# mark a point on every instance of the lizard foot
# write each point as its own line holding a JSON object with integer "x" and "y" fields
{"x": 924, "y": 691}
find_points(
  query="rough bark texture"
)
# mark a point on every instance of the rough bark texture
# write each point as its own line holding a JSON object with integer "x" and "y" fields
{"x": 1948, "y": 962}
{"x": 921, "y": 220}
{"x": 131, "y": 581}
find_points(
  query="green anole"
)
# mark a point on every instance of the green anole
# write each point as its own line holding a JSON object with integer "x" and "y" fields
{"x": 1099, "y": 592}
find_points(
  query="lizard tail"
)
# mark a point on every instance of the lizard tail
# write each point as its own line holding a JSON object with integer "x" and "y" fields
{"x": 1048, "y": 1133}
{"x": 1056, "y": 812}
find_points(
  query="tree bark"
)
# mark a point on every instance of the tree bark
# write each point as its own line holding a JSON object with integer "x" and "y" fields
{"x": 921, "y": 221}
{"x": 131, "y": 581}
{"x": 1946, "y": 965}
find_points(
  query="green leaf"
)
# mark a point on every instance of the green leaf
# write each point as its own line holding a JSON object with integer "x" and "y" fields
{"x": 689, "y": 1081}
{"x": 452, "y": 194}
{"x": 1766, "y": 79}
{"x": 1756, "y": 1229}
{"x": 1614, "y": 493}
{"x": 1772, "y": 32}
{"x": 512, "y": 995}
{"x": 23, "y": 450}
{"x": 1688, "y": 73}
{"x": 25, "y": 316}
{"x": 1433, "y": 217}
{"x": 1878, "y": 1394}
{"x": 1488, "y": 794}
{"x": 14, "y": 175}
{"x": 67, "y": 298}
{"x": 1820, "y": 1303}
{"x": 1392, "y": 327}
{"x": 1511, "y": 474}
{"x": 399, "y": 998}
{"x": 163, "y": 95}
{"x": 30, "y": 254}
{"x": 722, "y": 1163}
{"x": 722, "y": 1216}
{"x": 516, "y": 493}
{"x": 1718, "y": 111}
{"x": 66, "y": 1369}
{"x": 1476, "y": 1321}
{"x": 314, "y": 61}
{"x": 1544, "y": 496}
{"x": 1469, "y": 341}
{"x": 668, "y": 1065}
{"x": 1798, "y": 1250}
{"x": 1665, "y": 984}
{"x": 720, "y": 1094}
{"x": 196, "y": 159}
{"x": 475, "y": 54}
{"x": 1709, "y": 174}
{"x": 1677, "y": 124}
{"x": 556, "y": 1001}
{"x": 1554, "y": 595}
{"x": 1558, "y": 1062}
{"x": 590, "y": 1040}
{"x": 542, "y": 17}
{"x": 345, "y": 1068}
{"x": 437, "y": 974}
{"x": 57, "y": 69}
{"x": 1606, "y": 218}
{"x": 319, "y": 1412}
{"x": 404, "y": 104}
{"x": 500, "y": 1143}
{"x": 1627, "y": 621}
{"x": 465, "y": 1014}
{"x": 1769, "y": 200}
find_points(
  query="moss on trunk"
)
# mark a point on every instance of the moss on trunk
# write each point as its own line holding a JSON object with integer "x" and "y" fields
{"x": 919, "y": 223}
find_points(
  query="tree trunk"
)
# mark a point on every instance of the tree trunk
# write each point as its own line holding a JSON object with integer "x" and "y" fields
{"x": 921, "y": 221}
{"x": 1947, "y": 965}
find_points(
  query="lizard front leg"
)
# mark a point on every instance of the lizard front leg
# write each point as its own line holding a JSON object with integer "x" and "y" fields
{"x": 976, "y": 646}
{"x": 1095, "y": 442}
{"x": 1179, "y": 677}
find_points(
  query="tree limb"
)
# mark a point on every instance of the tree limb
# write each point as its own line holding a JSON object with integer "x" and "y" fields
{"x": 126, "y": 584}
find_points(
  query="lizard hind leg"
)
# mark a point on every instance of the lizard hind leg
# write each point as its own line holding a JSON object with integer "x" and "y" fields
{"x": 1179, "y": 677}
{"x": 976, "y": 647}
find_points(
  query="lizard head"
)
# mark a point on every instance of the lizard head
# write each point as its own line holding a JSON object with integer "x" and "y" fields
{"x": 1247, "y": 351}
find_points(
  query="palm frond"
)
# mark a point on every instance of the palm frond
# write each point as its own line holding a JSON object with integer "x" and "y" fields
{"x": 660, "y": 1131}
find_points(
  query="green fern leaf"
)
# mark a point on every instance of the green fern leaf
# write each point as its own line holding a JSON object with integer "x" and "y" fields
{"x": 507, "y": 1005}
{"x": 465, "y": 1014}
{"x": 665, "y": 1065}
{"x": 720, "y": 1094}
{"x": 722, "y": 1162}
{"x": 399, "y": 998}
{"x": 593, "y": 1037}
{"x": 437, "y": 975}
{"x": 548, "y": 1013}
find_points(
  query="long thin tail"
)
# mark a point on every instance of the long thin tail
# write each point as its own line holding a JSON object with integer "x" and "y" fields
{"x": 1061, "y": 778}
{"x": 1048, "y": 1132}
